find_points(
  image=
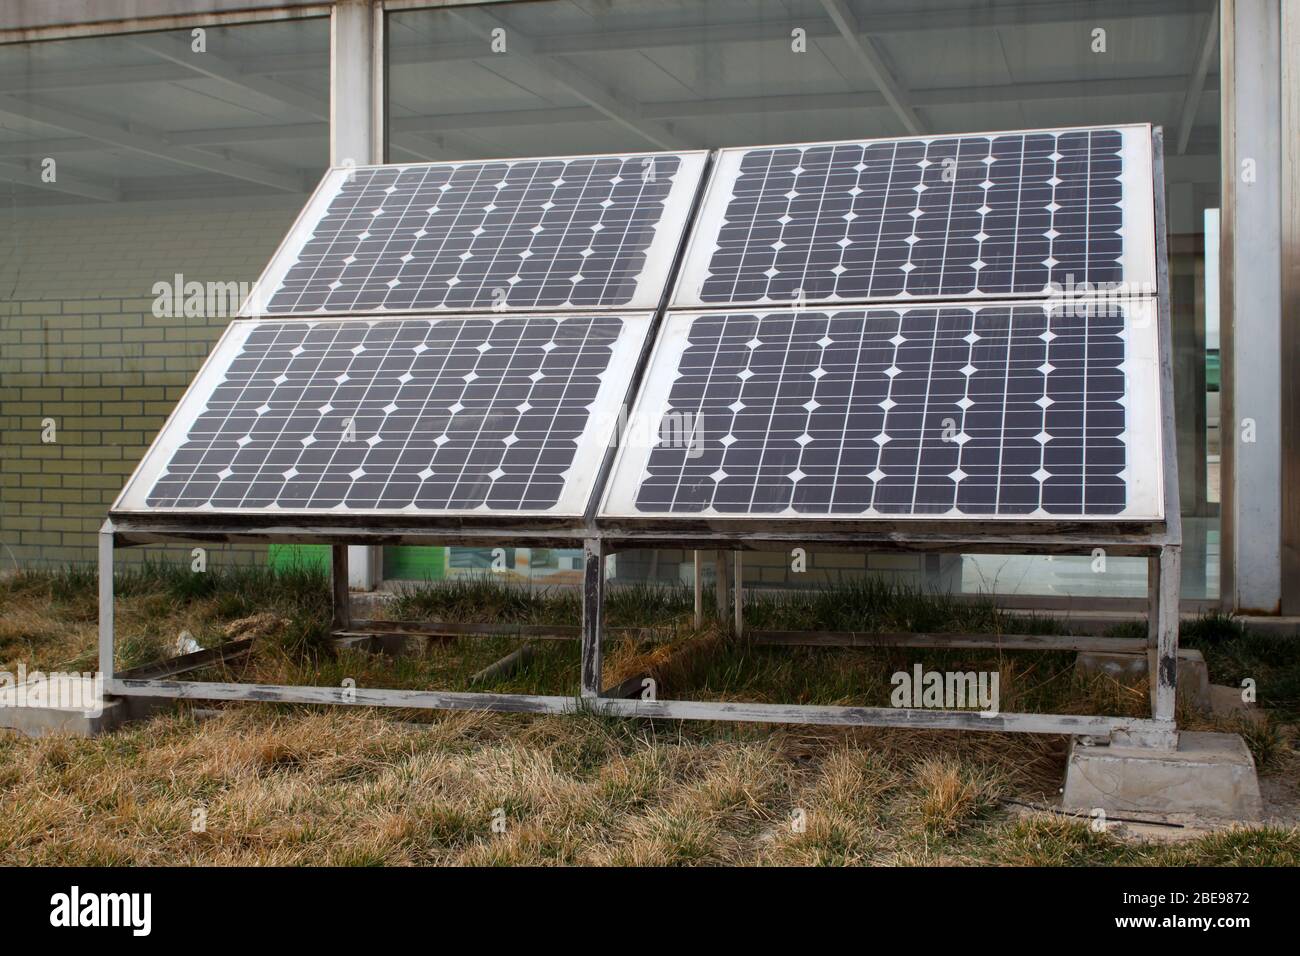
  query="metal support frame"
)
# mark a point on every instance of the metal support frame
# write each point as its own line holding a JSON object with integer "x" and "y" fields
{"x": 739, "y": 600}
{"x": 341, "y": 598}
{"x": 357, "y": 112}
{"x": 593, "y": 613}
{"x": 721, "y": 586}
{"x": 1159, "y": 541}
{"x": 1163, "y": 677}
{"x": 698, "y": 581}
{"x": 1158, "y": 731}
{"x": 1254, "y": 460}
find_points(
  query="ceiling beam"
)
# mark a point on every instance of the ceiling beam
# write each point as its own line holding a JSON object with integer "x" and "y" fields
{"x": 86, "y": 188}
{"x": 864, "y": 49}
{"x": 973, "y": 16}
{"x": 620, "y": 109}
{"x": 438, "y": 124}
{"x": 967, "y": 17}
{"x": 1196, "y": 83}
{"x": 146, "y": 141}
{"x": 214, "y": 67}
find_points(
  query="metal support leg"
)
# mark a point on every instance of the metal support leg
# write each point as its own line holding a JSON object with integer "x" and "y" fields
{"x": 339, "y": 580}
{"x": 593, "y": 613}
{"x": 739, "y": 576}
{"x": 106, "y": 603}
{"x": 1164, "y": 676}
{"x": 699, "y": 590}
{"x": 1153, "y": 601}
{"x": 722, "y": 585}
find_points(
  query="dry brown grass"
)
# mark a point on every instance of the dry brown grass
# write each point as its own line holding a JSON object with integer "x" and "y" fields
{"x": 296, "y": 785}
{"x": 300, "y": 786}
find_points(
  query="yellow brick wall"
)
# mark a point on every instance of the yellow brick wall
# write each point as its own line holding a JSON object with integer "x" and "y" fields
{"x": 79, "y": 344}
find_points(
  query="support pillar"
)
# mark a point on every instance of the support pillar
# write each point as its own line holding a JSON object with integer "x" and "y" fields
{"x": 739, "y": 578}
{"x": 106, "y": 656}
{"x": 357, "y": 138}
{"x": 593, "y": 613}
{"x": 1153, "y": 600}
{"x": 339, "y": 555}
{"x": 1252, "y": 330}
{"x": 699, "y": 590}
{"x": 1164, "y": 675}
{"x": 722, "y": 585}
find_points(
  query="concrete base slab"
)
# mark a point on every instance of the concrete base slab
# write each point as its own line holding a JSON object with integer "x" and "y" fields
{"x": 1209, "y": 775}
{"x": 57, "y": 705}
{"x": 42, "y": 721}
{"x": 1193, "y": 675}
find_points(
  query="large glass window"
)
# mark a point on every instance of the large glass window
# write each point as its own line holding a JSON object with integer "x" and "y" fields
{"x": 547, "y": 77}
{"x": 145, "y": 180}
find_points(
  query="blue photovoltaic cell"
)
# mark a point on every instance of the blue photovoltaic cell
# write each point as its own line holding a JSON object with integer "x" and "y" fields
{"x": 972, "y": 410}
{"x": 951, "y": 216}
{"x": 430, "y": 414}
{"x": 519, "y": 234}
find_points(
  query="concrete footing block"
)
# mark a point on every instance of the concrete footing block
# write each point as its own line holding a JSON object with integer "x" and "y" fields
{"x": 41, "y": 721}
{"x": 71, "y": 704}
{"x": 1210, "y": 775}
{"x": 1193, "y": 675}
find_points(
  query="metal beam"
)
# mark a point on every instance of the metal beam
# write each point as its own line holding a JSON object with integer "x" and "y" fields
{"x": 1132, "y": 730}
{"x": 214, "y": 67}
{"x": 878, "y": 24}
{"x": 970, "y": 16}
{"x": 1196, "y": 82}
{"x": 73, "y": 185}
{"x": 147, "y": 141}
{"x": 106, "y": 636}
{"x": 864, "y": 48}
{"x": 411, "y": 127}
{"x": 593, "y": 614}
{"x": 1251, "y": 319}
{"x": 614, "y": 106}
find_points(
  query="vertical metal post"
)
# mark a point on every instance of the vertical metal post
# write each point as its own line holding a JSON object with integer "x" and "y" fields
{"x": 721, "y": 585}
{"x": 739, "y": 576}
{"x": 699, "y": 590}
{"x": 1251, "y": 286}
{"x": 1153, "y": 600}
{"x": 1290, "y": 346}
{"x": 339, "y": 583}
{"x": 357, "y": 137}
{"x": 106, "y": 604}
{"x": 593, "y": 612}
{"x": 1164, "y": 675}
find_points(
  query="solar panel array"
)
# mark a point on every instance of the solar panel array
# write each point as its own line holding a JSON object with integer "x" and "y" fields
{"x": 948, "y": 217}
{"x": 995, "y": 410}
{"x": 450, "y": 414}
{"x": 1022, "y": 394}
{"x": 512, "y": 234}
{"x": 812, "y": 377}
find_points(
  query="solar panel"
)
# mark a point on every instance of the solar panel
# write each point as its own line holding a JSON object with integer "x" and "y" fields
{"x": 555, "y": 233}
{"x": 995, "y": 215}
{"x": 1007, "y": 410}
{"x": 457, "y": 415}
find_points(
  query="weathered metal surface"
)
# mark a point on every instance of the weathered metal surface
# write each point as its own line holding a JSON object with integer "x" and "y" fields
{"x": 512, "y": 663}
{"x": 184, "y": 663}
{"x": 1096, "y": 727}
{"x": 341, "y": 600}
{"x": 593, "y": 612}
{"x": 1164, "y": 682}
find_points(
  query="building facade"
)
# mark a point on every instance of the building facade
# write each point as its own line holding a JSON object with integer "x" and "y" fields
{"x": 154, "y": 153}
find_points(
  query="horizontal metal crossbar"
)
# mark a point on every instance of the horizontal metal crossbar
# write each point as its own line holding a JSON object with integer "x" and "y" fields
{"x": 1096, "y": 727}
